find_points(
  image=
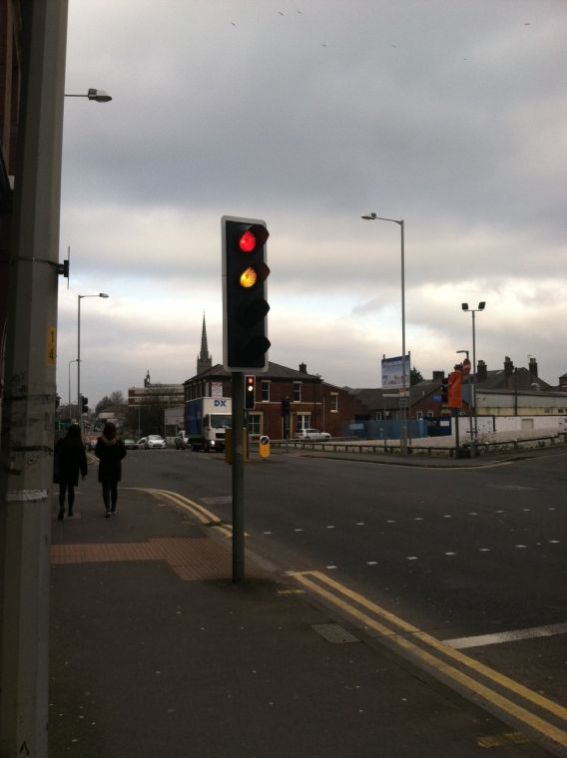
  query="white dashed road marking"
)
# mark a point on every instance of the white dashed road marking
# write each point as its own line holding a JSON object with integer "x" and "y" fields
{"x": 512, "y": 636}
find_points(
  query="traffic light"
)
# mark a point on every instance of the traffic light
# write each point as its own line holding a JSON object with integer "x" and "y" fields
{"x": 245, "y": 307}
{"x": 445, "y": 390}
{"x": 250, "y": 393}
{"x": 84, "y": 404}
{"x": 285, "y": 407}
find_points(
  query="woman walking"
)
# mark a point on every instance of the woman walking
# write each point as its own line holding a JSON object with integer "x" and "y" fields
{"x": 70, "y": 457}
{"x": 109, "y": 450}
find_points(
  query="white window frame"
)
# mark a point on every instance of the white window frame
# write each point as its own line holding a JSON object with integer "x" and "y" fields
{"x": 254, "y": 423}
{"x": 302, "y": 421}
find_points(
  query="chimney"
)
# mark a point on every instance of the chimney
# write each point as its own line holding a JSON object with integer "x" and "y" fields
{"x": 532, "y": 368}
{"x": 303, "y": 368}
{"x": 508, "y": 366}
{"x": 481, "y": 371}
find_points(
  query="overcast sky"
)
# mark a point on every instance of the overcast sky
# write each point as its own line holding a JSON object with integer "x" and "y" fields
{"x": 450, "y": 114}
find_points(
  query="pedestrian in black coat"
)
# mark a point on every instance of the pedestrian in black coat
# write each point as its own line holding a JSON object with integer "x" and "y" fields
{"x": 109, "y": 450}
{"x": 70, "y": 458}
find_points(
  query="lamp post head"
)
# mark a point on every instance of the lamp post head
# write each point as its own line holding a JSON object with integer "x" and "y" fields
{"x": 465, "y": 306}
{"x": 103, "y": 294}
{"x": 100, "y": 95}
{"x": 369, "y": 217}
{"x": 481, "y": 305}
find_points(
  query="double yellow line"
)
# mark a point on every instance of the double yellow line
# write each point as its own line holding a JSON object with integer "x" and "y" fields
{"x": 444, "y": 662}
{"x": 204, "y": 516}
{"x": 470, "y": 677}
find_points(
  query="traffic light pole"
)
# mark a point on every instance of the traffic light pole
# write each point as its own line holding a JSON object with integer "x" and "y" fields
{"x": 237, "y": 476}
{"x": 29, "y": 399}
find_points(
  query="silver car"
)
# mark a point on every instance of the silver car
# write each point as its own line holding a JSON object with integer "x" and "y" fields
{"x": 153, "y": 441}
{"x": 312, "y": 434}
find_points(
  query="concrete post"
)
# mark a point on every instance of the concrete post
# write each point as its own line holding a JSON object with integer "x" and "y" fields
{"x": 29, "y": 399}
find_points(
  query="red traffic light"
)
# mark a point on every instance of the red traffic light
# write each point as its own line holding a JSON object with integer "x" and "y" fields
{"x": 252, "y": 237}
{"x": 244, "y": 295}
{"x": 250, "y": 393}
{"x": 247, "y": 243}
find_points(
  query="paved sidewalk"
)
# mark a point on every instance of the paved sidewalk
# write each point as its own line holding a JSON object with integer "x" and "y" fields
{"x": 155, "y": 652}
{"x": 426, "y": 461}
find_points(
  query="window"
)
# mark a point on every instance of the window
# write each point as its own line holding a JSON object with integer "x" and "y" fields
{"x": 297, "y": 392}
{"x": 303, "y": 421}
{"x": 254, "y": 423}
{"x": 265, "y": 392}
{"x": 334, "y": 404}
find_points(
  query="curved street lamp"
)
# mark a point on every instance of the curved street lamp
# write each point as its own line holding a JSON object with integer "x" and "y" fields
{"x": 404, "y": 405}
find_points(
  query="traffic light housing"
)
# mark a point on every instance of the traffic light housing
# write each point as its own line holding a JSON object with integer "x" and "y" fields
{"x": 245, "y": 307}
{"x": 250, "y": 393}
{"x": 445, "y": 390}
{"x": 84, "y": 404}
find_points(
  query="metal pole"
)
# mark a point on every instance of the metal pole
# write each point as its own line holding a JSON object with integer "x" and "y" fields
{"x": 473, "y": 387}
{"x": 69, "y": 408}
{"x": 404, "y": 441}
{"x": 79, "y": 404}
{"x": 237, "y": 476}
{"x": 29, "y": 399}
{"x": 457, "y": 438}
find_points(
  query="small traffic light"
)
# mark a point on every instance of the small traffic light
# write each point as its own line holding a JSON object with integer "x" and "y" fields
{"x": 245, "y": 307}
{"x": 445, "y": 390}
{"x": 84, "y": 404}
{"x": 250, "y": 393}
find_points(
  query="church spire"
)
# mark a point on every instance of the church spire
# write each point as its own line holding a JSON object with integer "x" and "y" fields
{"x": 204, "y": 359}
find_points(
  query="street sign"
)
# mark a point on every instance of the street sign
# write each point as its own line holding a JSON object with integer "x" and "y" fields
{"x": 454, "y": 395}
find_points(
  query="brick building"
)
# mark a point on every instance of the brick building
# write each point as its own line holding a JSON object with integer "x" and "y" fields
{"x": 313, "y": 402}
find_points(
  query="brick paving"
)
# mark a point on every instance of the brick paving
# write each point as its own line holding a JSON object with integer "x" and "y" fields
{"x": 191, "y": 559}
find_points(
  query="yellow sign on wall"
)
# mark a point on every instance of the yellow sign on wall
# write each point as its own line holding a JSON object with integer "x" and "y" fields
{"x": 51, "y": 346}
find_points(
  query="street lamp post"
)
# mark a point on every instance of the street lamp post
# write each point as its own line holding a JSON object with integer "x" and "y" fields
{"x": 79, "y": 403}
{"x": 473, "y": 311}
{"x": 470, "y": 399}
{"x": 69, "y": 408}
{"x": 404, "y": 404}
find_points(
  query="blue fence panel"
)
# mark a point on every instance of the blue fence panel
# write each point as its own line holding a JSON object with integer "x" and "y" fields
{"x": 390, "y": 429}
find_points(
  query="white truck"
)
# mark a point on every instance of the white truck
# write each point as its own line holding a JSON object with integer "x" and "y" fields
{"x": 206, "y": 422}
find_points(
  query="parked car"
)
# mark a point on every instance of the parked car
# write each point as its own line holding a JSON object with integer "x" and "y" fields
{"x": 130, "y": 444}
{"x": 312, "y": 434}
{"x": 181, "y": 441}
{"x": 142, "y": 443}
{"x": 154, "y": 441}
